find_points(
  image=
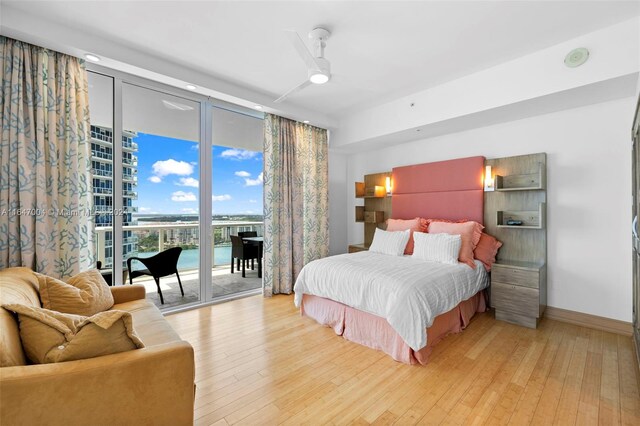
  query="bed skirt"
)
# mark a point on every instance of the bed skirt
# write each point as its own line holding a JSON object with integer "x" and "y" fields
{"x": 375, "y": 332}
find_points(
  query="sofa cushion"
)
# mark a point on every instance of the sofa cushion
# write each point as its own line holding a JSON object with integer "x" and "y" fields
{"x": 50, "y": 336}
{"x": 86, "y": 293}
{"x": 151, "y": 326}
{"x": 17, "y": 285}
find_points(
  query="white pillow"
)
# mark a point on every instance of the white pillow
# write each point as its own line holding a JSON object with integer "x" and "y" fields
{"x": 442, "y": 248}
{"x": 392, "y": 243}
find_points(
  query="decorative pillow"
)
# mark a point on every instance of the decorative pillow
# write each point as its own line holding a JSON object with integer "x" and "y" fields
{"x": 442, "y": 248}
{"x": 470, "y": 233}
{"x": 392, "y": 243}
{"x": 486, "y": 250}
{"x": 413, "y": 225}
{"x": 49, "y": 336}
{"x": 84, "y": 294}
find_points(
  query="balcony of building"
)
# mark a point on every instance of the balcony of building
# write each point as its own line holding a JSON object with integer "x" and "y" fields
{"x": 150, "y": 239}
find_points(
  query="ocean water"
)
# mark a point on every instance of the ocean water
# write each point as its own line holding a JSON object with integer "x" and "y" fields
{"x": 190, "y": 259}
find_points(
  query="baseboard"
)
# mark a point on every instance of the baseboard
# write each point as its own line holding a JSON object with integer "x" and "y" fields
{"x": 589, "y": 321}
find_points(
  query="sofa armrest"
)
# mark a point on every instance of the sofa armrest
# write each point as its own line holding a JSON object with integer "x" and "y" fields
{"x": 127, "y": 293}
{"x": 153, "y": 385}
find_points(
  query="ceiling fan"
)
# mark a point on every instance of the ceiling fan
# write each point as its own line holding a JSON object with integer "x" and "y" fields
{"x": 318, "y": 68}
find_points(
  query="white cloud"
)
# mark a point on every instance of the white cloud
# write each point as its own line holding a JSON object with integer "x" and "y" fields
{"x": 224, "y": 197}
{"x": 188, "y": 181}
{"x": 249, "y": 212}
{"x": 254, "y": 182}
{"x": 155, "y": 179}
{"x": 253, "y": 201}
{"x": 181, "y": 196}
{"x": 190, "y": 210}
{"x": 242, "y": 173}
{"x": 172, "y": 167}
{"x": 238, "y": 154}
{"x": 144, "y": 209}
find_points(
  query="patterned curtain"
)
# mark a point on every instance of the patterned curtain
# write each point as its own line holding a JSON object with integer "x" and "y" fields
{"x": 45, "y": 184}
{"x": 296, "y": 200}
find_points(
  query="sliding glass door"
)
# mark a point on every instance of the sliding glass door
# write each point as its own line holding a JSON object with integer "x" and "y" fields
{"x": 156, "y": 209}
{"x": 160, "y": 195}
{"x": 237, "y": 161}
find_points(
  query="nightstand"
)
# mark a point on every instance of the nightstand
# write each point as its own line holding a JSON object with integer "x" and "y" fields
{"x": 354, "y": 248}
{"x": 519, "y": 292}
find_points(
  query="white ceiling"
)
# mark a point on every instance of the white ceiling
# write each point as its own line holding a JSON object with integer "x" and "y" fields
{"x": 378, "y": 50}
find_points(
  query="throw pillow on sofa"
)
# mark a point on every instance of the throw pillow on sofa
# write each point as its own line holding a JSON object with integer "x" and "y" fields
{"x": 49, "y": 336}
{"x": 84, "y": 294}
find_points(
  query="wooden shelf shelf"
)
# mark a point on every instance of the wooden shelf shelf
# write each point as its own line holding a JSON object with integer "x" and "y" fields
{"x": 359, "y": 213}
{"x": 531, "y": 219}
{"x": 522, "y": 182}
{"x": 375, "y": 192}
{"x": 359, "y": 189}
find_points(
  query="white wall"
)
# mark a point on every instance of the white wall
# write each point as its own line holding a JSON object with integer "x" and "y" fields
{"x": 588, "y": 198}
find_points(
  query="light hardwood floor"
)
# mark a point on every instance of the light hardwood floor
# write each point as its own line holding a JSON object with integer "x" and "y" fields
{"x": 259, "y": 362}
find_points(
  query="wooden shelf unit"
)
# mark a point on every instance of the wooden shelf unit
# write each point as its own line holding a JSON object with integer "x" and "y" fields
{"x": 531, "y": 219}
{"x": 523, "y": 182}
{"x": 518, "y": 278}
{"x": 377, "y": 204}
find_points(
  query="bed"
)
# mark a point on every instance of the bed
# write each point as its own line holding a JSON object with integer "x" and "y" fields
{"x": 397, "y": 304}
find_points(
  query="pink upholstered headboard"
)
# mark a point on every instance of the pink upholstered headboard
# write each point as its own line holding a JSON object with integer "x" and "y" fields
{"x": 450, "y": 189}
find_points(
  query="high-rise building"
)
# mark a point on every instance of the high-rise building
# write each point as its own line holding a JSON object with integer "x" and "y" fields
{"x": 102, "y": 188}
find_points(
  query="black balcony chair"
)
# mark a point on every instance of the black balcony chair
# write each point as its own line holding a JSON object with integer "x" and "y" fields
{"x": 242, "y": 251}
{"x": 161, "y": 265}
{"x": 247, "y": 234}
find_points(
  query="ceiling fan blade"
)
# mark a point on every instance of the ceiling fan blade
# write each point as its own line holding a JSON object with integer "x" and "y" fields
{"x": 292, "y": 91}
{"x": 302, "y": 50}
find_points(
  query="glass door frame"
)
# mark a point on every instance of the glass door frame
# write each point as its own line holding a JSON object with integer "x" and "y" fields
{"x": 205, "y": 157}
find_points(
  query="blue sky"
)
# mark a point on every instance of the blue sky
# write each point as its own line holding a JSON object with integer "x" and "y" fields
{"x": 168, "y": 177}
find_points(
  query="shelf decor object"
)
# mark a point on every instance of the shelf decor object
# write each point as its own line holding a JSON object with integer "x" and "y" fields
{"x": 519, "y": 276}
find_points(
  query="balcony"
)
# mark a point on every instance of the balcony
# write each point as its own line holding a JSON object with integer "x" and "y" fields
{"x": 96, "y": 155}
{"x": 130, "y": 161}
{"x": 153, "y": 238}
{"x": 98, "y": 190}
{"x": 129, "y": 145}
{"x": 100, "y": 172}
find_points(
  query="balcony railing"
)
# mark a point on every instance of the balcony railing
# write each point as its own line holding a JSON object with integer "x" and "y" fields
{"x": 102, "y": 156}
{"x": 98, "y": 190}
{"x": 175, "y": 234}
{"x": 99, "y": 172}
{"x": 129, "y": 145}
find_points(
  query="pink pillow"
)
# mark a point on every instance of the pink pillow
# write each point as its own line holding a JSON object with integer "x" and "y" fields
{"x": 470, "y": 232}
{"x": 417, "y": 224}
{"x": 486, "y": 250}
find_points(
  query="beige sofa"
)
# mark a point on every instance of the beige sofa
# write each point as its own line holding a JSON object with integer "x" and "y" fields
{"x": 149, "y": 386}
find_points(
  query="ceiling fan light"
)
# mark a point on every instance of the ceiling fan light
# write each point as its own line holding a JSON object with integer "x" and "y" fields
{"x": 318, "y": 78}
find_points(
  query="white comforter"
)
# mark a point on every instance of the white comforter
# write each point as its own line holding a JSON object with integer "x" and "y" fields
{"x": 408, "y": 293}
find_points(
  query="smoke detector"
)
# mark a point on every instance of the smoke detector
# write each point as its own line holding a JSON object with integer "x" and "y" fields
{"x": 576, "y": 57}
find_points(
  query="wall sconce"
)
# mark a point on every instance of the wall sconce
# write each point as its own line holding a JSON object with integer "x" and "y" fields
{"x": 388, "y": 185}
{"x": 488, "y": 179}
